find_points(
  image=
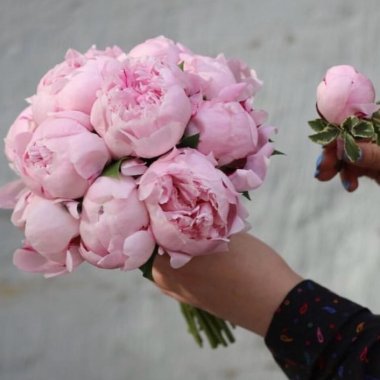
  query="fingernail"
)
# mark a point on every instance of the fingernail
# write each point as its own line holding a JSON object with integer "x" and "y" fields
{"x": 346, "y": 184}
{"x": 319, "y": 161}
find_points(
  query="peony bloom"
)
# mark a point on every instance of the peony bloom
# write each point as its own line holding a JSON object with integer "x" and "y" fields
{"x": 250, "y": 173}
{"x": 160, "y": 47}
{"x": 142, "y": 109}
{"x": 226, "y": 129}
{"x": 51, "y": 229}
{"x": 72, "y": 85}
{"x": 217, "y": 75}
{"x": 63, "y": 157}
{"x": 193, "y": 206}
{"x": 345, "y": 92}
{"x": 28, "y": 259}
{"x": 115, "y": 225}
{"x": 18, "y": 136}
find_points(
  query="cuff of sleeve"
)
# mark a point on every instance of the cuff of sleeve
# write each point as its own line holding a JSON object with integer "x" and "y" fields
{"x": 306, "y": 322}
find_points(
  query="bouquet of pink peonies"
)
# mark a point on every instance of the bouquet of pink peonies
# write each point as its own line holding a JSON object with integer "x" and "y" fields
{"x": 122, "y": 156}
{"x": 348, "y": 110}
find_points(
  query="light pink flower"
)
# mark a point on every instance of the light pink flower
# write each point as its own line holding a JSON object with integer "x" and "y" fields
{"x": 226, "y": 129}
{"x": 51, "y": 228}
{"x": 215, "y": 76}
{"x": 160, "y": 47}
{"x": 63, "y": 158}
{"x": 251, "y": 172}
{"x": 28, "y": 259}
{"x": 72, "y": 85}
{"x": 345, "y": 92}
{"x": 115, "y": 225}
{"x": 142, "y": 109}
{"x": 193, "y": 206}
{"x": 19, "y": 135}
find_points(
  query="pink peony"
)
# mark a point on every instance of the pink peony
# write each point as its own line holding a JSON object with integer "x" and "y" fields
{"x": 345, "y": 92}
{"x": 226, "y": 129}
{"x": 20, "y": 132}
{"x": 115, "y": 225}
{"x": 193, "y": 206}
{"x": 251, "y": 172}
{"x": 216, "y": 75}
{"x": 51, "y": 228}
{"x": 72, "y": 85}
{"x": 142, "y": 109}
{"x": 28, "y": 259}
{"x": 63, "y": 157}
{"x": 160, "y": 47}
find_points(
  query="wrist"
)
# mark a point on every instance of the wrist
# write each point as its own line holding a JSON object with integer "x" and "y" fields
{"x": 244, "y": 285}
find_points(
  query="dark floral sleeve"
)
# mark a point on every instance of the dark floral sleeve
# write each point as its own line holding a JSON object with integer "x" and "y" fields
{"x": 315, "y": 334}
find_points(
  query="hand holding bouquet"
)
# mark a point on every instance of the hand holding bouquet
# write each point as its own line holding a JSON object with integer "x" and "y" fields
{"x": 125, "y": 156}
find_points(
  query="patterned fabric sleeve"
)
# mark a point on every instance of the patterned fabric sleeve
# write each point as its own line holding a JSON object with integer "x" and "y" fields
{"x": 316, "y": 334}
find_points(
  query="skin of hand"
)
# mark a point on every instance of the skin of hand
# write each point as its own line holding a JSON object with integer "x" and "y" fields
{"x": 368, "y": 165}
{"x": 245, "y": 285}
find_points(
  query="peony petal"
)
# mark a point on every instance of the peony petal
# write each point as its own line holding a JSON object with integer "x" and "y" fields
{"x": 29, "y": 260}
{"x": 78, "y": 116}
{"x": 10, "y": 194}
{"x": 69, "y": 262}
{"x": 112, "y": 261}
{"x": 231, "y": 93}
{"x": 178, "y": 259}
{"x": 138, "y": 248}
{"x": 245, "y": 180}
{"x": 88, "y": 154}
{"x": 133, "y": 167}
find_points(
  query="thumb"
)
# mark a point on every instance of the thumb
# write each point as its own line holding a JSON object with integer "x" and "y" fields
{"x": 369, "y": 158}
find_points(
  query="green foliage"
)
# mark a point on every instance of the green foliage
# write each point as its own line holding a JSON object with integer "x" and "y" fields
{"x": 189, "y": 142}
{"x": 246, "y": 195}
{"x": 351, "y": 149}
{"x": 326, "y": 136}
{"x": 112, "y": 170}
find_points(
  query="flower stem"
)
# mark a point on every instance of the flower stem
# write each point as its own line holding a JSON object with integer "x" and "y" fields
{"x": 199, "y": 321}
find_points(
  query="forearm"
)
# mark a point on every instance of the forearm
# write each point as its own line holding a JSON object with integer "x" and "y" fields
{"x": 244, "y": 286}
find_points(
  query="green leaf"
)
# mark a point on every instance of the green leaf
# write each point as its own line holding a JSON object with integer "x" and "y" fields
{"x": 376, "y": 125}
{"x": 328, "y": 135}
{"x": 350, "y": 123}
{"x": 351, "y": 149}
{"x": 364, "y": 130}
{"x": 317, "y": 125}
{"x": 189, "y": 142}
{"x": 181, "y": 65}
{"x": 246, "y": 195}
{"x": 147, "y": 268}
{"x": 278, "y": 153}
{"x": 113, "y": 169}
